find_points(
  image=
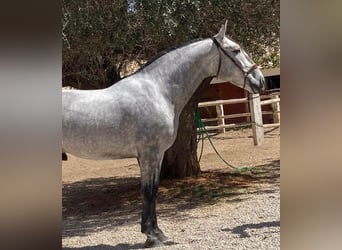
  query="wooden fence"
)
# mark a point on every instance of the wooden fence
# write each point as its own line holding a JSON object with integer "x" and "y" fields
{"x": 253, "y": 116}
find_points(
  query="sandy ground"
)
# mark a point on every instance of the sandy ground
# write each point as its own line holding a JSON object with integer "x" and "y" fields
{"x": 221, "y": 209}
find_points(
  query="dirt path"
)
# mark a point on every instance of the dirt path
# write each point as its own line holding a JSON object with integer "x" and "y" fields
{"x": 218, "y": 210}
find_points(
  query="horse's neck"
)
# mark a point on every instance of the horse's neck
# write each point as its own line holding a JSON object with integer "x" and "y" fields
{"x": 180, "y": 72}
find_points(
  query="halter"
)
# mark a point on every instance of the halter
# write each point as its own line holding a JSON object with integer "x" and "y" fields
{"x": 235, "y": 61}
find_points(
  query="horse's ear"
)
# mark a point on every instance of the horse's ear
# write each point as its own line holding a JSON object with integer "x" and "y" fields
{"x": 220, "y": 35}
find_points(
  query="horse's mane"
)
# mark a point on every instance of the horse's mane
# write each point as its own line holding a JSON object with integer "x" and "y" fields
{"x": 164, "y": 52}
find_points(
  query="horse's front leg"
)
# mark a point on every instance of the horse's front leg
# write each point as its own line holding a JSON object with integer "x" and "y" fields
{"x": 150, "y": 165}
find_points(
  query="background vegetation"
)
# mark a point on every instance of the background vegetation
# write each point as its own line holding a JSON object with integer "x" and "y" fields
{"x": 101, "y": 38}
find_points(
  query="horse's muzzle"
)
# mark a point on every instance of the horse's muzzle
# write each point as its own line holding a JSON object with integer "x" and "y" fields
{"x": 258, "y": 85}
{"x": 263, "y": 86}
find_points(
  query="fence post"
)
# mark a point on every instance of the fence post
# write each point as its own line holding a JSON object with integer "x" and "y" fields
{"x": 220, "y": 118}
{"x": 247, "y": 108}
{"x": 276, "y": 109}
{"x": 256, "y": 116}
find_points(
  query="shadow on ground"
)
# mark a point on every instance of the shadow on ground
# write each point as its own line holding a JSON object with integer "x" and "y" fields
{"x": 241, "y": 230}
{"x": 117, "y": 247}
{"x": 107, "y": 247}
{"x": 105, "y": 203}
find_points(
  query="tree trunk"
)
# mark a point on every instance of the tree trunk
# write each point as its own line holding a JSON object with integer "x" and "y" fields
{"x": 180, "y": 160}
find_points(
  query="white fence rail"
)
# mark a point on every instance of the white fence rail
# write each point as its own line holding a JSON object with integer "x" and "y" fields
{"x": 254, "y": 102}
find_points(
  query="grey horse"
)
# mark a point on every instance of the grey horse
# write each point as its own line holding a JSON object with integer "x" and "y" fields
{"x": 138, "y": 116}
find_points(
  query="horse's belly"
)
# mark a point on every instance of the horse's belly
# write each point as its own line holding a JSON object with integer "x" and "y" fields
{"x": 98, "y": 151}
{"x": 92, "y": 144}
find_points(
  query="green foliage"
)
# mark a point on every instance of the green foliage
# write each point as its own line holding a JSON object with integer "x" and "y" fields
{"x": 100, "y": 37}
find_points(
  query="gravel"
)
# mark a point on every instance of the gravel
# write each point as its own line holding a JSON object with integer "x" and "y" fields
{"x": 253, "y": 223}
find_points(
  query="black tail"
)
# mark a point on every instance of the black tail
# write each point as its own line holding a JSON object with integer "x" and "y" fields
{"x": 64, "y": 157}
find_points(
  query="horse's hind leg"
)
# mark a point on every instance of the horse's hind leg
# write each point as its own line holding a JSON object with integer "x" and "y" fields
{"x": 150, "y": 164}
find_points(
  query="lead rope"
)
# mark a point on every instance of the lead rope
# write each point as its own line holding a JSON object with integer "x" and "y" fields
{"x": 202, "y": 131}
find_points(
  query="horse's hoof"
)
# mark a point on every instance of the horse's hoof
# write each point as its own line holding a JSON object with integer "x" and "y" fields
{"x": 153, "y": 243}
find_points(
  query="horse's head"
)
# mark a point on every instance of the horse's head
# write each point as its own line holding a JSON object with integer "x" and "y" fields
{"x": 236, "y": 66}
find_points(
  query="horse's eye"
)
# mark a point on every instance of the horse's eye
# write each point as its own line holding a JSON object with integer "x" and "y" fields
{"x": 236, "y": 51}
